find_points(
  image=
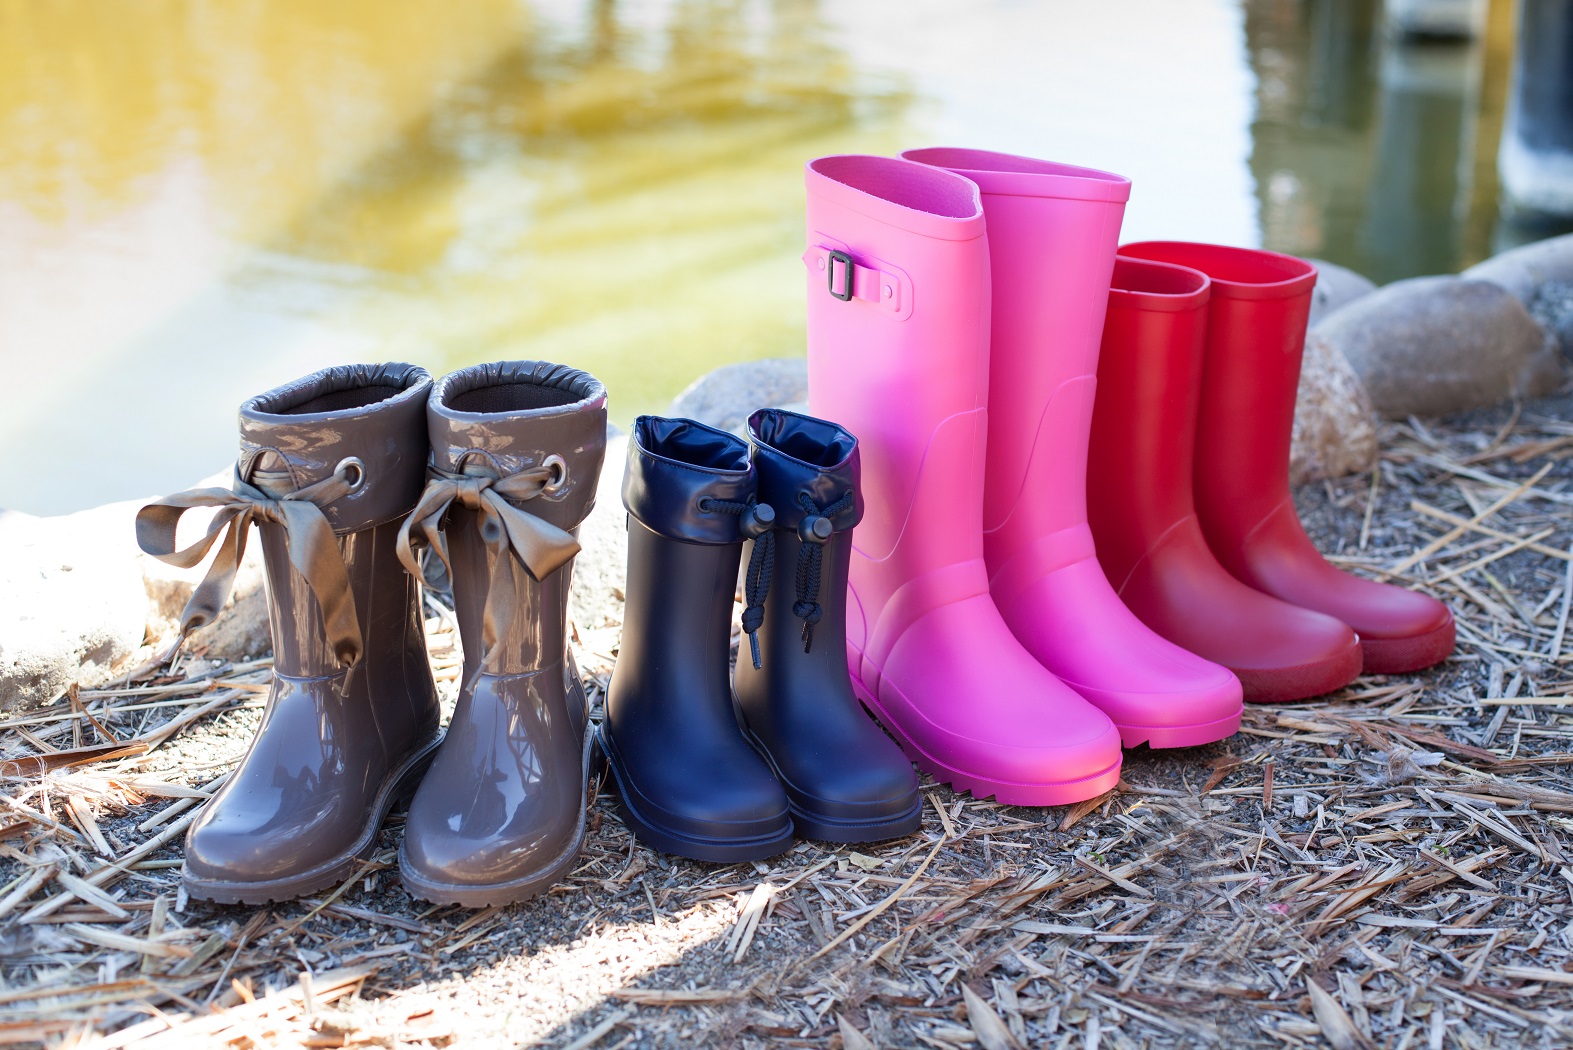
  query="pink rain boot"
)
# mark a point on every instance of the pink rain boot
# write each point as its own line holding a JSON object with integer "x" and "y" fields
{"x": 898, "y": 330}
{"x": 1052, "y": 235}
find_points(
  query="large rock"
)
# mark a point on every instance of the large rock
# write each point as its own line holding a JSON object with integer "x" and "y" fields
{"x": 75, "y": 608}
{"x": 1335, "y": 428}
{"x": 81, "y": 599}
{"x": 727, "y": 396}
{"x": 1336, "y": 286}
{"x": 1540, "y": 276}
{"x": 1433, "y": 345}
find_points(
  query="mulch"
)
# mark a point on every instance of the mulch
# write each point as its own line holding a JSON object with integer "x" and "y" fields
{"x": 1382, "y": 867}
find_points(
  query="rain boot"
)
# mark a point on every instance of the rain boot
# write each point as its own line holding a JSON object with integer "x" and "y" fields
{"x": 516, "y": 450}
{"x": 1143, "y": 512}
{"x": 687, "y": 781}
{"x": 328, "y": 466}
{"x": 845, "y": 780}
{"x": 1255, "y": 338}
{"x": 1052, "y": 233}
{"x": 898, "y": 353}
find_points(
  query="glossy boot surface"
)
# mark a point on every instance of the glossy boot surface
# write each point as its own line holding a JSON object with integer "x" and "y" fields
{"x": 687, "y": 781}
{"x": 351, "y": 720}
{"x": 898, "y": 353}
{"x": 516, "y": 453}
{"x": 845, "y": 779}
{"x": 1255, "y": 339}
{"x": 1052, "y": 231}
{"x": 1144, "y": 515}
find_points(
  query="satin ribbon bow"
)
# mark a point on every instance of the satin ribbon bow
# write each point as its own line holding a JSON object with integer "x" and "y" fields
{"x": 313, "y": 550}
{"x": 541, "y": 547}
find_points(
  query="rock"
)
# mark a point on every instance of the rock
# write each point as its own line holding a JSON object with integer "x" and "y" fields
{"x": 1336, "y": 286}
{"x": 75, "y": 606}
{"x": 727, "y": 396}
{"x": 240, "y": 631}
{"x": 600, "y": 571}
{"x": 1540, "y": 276}
{"x": 1433, "y": 345}
{"x": 1335, "y": 430}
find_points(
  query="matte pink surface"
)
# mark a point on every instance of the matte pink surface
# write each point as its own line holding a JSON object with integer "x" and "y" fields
{"x": 1052, "y": 233}
{"x": 929, "y": 653}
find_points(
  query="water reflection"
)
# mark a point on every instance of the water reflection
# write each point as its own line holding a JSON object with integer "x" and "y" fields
{"x": 1376, "y": 152}
{"x": 200, "y": 201}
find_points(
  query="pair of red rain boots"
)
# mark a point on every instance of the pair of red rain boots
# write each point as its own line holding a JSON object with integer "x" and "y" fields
{"x": 956, "y": 301}
{"x": 1189, "y": 482}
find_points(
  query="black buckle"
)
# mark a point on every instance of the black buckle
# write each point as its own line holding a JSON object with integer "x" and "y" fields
{"x": 846, "y": 261}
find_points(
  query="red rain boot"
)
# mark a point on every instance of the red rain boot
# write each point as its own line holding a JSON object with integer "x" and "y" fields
{"x": 1143, "y": 513}
{"x": 1255, "y": 338}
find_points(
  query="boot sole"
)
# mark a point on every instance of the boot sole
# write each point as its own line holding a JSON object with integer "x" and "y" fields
{"x": 1059, "y": 793}
{"x": 396, "y": 791}
{"x": 678, "y": 844}
{"x": 1163, "y": 737}
{"x": 825, "y": 828}
{"x": 1415, "y": 653}
{"x": 525, "y": 887}
{"x": 1280, "y": 685}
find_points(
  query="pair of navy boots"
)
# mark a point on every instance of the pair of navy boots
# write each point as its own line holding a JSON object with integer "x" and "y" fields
{"x": 728, "y": 770}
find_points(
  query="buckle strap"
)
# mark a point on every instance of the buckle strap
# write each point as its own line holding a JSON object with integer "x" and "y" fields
{"x": 508, "y": 532}
{"x": 848, "y": 277}
{"x": 313, "y": 549}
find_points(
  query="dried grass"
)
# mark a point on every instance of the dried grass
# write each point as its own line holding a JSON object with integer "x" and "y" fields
{"x": 1384, "y": 867}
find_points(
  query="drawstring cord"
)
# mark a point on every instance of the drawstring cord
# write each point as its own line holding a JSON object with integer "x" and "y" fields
{"x": 814, "y": 530}
{"x": 757, "y": 521}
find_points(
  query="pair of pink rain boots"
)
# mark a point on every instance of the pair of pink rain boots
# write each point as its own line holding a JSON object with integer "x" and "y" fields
{"x": 956, "y": 303}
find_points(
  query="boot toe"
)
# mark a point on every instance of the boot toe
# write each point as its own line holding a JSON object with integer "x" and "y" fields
{"x": 223, "y": 847}
{"x": 1016, "y": 733}
{"x": 717, "y": 807}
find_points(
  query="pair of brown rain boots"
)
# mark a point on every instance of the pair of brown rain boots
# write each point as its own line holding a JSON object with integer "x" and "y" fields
{"x": 346, "y": 473}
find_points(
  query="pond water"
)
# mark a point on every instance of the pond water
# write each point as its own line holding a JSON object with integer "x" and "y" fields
{"x": 200, "y": 201}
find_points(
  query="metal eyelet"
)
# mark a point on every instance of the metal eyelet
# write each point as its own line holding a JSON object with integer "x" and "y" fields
{"x": 559, "y": 469}
{"x": 352, "y": 470}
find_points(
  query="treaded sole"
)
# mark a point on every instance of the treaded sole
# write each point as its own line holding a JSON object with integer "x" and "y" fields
{"x": 1281, "y": 685}
{"x": 717, "y": 851}
{"x": 527, "y": 886}
{"x": 1058, "y": 793}
{"x": 396, "y": 789}
{"x": 1162, "y": 737}
{"x": 1415, "y": 653}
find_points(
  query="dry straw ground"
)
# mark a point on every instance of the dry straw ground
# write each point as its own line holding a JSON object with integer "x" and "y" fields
{"x": 1389, "y": 866}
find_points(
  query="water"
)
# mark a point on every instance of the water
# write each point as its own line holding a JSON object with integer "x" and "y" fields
{"x": 200, "y": 201}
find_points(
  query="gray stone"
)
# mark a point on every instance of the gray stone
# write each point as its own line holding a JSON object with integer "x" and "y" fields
{"x": 240, "y": 631}
{"x": 1336, "y": 286}
{"x": 726, "y": 397}
{"x": 75, "y": 608}
{"x": 601, "y": 569}
{"x": 1540, "y": 276}
{"x": 1335, "y": 428}
{"x": 1432, "y": 345}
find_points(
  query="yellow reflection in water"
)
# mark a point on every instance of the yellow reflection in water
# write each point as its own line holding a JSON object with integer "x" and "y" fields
{"x": 198, "y": 201}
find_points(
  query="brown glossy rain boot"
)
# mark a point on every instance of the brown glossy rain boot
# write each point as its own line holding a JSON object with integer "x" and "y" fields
{"x": 516, "y": 454}
{"x": 329, "y": 467}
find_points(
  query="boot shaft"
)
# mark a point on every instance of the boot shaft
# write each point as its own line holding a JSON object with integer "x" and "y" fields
{"x": 809, "y": 474}
{"x": 1052, "y": 231}
{"x": 683, "y": 488}
{"x": 1256, "y": 321}
{"x": 1144, "y": 424}
{"x": 366, "y": 423}
{"x": 511, "y": 420}
{"x": 907, "y": 373}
